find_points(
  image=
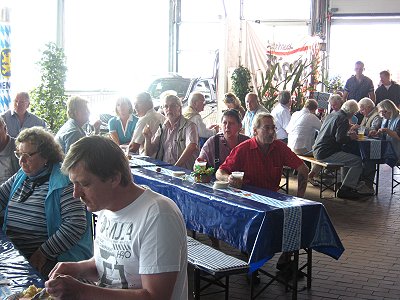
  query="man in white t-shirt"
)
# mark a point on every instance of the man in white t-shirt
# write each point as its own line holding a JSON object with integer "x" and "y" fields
{"x": 281, "y": 114}
{"x": 147, "y": 116}
{"x": 140, "y": 247}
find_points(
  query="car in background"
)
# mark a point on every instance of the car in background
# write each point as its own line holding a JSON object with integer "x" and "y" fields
{"x": 183, "y": 87}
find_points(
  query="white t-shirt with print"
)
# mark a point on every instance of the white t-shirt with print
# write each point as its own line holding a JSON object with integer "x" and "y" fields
{"x": 146, "y": 237}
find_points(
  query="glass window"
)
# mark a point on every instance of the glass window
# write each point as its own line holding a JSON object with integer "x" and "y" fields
{"x": 276, "y": 10}
{"x": 115, "y": 44}
{"x": 375, "y": 44}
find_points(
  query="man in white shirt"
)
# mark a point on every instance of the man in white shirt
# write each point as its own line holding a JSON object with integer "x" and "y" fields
{"x": 140, "y": 250}
{"x": 302, "y": 128}
{"x": 253, "y": 109}
{"x": 147, "y": 116}
{"x": 192, "y": 113}
{"x": 281, "y": 114}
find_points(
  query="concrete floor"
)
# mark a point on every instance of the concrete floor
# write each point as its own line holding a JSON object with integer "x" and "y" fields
{"x": 369, "y": 268}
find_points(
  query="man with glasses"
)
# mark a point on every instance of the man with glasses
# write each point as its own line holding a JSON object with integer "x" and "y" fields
{"x": 175, "y": 141}
{"x": 19, "y": 118}
{"x": 262, "y": 158}
{"x": 8, "y": 162}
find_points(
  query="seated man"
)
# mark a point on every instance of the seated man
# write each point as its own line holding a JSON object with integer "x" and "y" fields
{"x": 8, "y": 162}
{"x": 218, "y": 147}
{"x": 281, "y": 114}
{"x": 335, "y": 102}
{"x": 262, "y": 158}
{"x": 147, "y": 116}
{"x": 254, "y": 108}
{"x": 176, "y": 141}
{"x": 19, "y": 118}
{"x": 71, "y": 131}
{"x": 192, "y": 113}
{"x": 140, "y": 249}
{"x": 334, "y": 134}
{"x": 302, "y": 128}
{"x": 372, "y": 120}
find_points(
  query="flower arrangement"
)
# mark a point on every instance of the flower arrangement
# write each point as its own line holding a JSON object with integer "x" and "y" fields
{"x": 202, "y": 174}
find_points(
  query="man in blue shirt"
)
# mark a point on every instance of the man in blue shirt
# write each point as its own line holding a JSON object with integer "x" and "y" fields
{"x": 19, "y": 118}
{"x": 253, "y": 108}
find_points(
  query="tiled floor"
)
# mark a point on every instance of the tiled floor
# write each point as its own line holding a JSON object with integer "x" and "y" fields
{"x": 370, "y": 266}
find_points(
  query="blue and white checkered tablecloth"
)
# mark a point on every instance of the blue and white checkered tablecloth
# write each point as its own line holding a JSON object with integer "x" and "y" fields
{"x": 292, "y": 213}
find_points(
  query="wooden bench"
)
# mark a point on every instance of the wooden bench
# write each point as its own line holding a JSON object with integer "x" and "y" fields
{"x": 211, "y": 265}
{"x": 328, "y": 169}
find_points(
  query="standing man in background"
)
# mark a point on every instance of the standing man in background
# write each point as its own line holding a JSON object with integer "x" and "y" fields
{"x": 359, "y": 86}
{"x": 388, "y": 89}
{"x": 253, "y": 107}
{"x": 19, "y": 118}
{"x": 281, "y": 114}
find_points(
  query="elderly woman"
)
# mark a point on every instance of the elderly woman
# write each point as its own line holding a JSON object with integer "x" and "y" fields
{"x": 390, "y": 127}
{"x": 232, "y": 102}
{"x": 123, "y": 125}
{"x": 42, "y": 217}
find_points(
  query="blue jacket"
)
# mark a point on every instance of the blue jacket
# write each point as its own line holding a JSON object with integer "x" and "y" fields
{"x": 58, "y": 181}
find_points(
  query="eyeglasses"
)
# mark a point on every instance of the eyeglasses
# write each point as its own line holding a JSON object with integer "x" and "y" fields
{"x": 267, "y": 128}
{"x": 20, "y": 155}
{"x": 383, "y": 112}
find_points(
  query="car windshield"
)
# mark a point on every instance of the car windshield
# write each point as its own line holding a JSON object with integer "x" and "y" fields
{"x": 179, "y": 85}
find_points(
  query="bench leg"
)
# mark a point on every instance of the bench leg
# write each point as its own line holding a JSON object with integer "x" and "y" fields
{"x": 377, "y": 179}
{"x": 295, "y": 275}
{"x": 196, "y": 284}
{"x": 226, "y": 287}
{"x": 309, "y": 267}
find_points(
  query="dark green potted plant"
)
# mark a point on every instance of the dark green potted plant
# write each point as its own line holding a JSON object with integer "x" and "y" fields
{"x": 48, "y": 99}
{"x": 202, "y": 174}
{"x": 241, "y": 79}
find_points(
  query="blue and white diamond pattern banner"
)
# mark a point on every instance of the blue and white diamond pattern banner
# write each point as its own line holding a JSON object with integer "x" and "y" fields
{"x": 5, "y": 62}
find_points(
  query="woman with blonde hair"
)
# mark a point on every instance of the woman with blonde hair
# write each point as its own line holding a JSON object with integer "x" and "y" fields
{"x": 232, "y": 102}
{"x": 123, "y": 125}
{"x": 390, "y": 128}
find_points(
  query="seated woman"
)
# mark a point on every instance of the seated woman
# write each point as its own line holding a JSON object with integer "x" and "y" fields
{"x": 123, "y": 125}
{"x": 390, "y": 128}
{"x": 232, "y": 102}
{"x": 42, "y": 217}
{"x": 218, "y": 147}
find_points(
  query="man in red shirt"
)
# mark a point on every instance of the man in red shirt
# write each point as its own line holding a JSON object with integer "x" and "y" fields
{"x": 262, "y": 158}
